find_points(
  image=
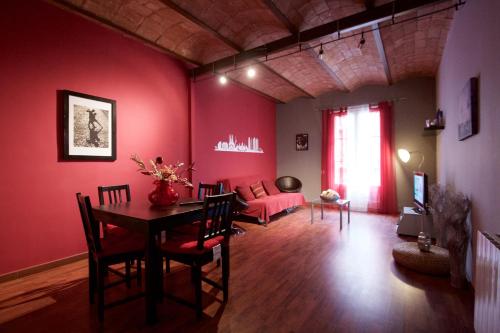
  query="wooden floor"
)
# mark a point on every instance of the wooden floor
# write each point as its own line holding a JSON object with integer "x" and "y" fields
{"x": 289, "y": 277}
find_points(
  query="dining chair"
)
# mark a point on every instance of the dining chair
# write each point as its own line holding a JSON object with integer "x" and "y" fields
{"x": 209, "y": 189}
{"x": 204, "y": 190}
{"x": 105, "y": 252}
{"x": 117, "y": 194}
{"x": 199, "y": 248}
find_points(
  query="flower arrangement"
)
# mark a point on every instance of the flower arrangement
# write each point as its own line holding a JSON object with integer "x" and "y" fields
{"x": 162, "y": 172}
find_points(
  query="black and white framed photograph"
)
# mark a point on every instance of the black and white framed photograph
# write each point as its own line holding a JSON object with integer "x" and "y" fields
{"x": 89, "y": 127}
{"x": 468, "y": 112}
{"x": 302, "y": 141}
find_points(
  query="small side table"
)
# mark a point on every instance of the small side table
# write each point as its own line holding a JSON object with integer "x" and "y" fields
{"x": 341, "y": 203}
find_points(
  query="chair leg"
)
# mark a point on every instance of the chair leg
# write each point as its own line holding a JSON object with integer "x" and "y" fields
{"x": 127, "y": 273}
{"x": 92, "y": 279}
{"x": 167, "y": 265}
{"x": 100, "y": 290}
{"x": 225, "y": 273}
{"x": 160, "y": 280}
{"x": 196, "y": 273}
{"x": 139, "y": 272}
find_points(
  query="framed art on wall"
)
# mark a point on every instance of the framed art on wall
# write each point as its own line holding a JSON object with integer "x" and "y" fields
{"x": 302, "y": 141}
{"x": 89, "y": 127}
{"x": 468, "y": 112}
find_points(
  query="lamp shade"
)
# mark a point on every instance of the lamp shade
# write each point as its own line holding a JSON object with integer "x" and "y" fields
{"x": 404, "y": 155}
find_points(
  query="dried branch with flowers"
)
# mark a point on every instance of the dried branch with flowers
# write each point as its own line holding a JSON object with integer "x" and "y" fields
{"x": 170, "y": 173}
{"x": 449, "y": 211}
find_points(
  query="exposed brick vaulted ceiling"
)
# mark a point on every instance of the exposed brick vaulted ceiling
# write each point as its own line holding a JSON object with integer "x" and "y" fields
{"x": 203, "y": 31}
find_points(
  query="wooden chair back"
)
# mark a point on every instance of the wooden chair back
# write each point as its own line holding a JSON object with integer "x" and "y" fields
{"x": 209, "y": 189}
{"x": 115, "y": 193}
{"x": 217, "y": 217}
{"x": 90, "y": 225}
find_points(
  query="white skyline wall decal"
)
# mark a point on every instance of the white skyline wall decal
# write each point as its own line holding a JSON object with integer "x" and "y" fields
{"x": 252, "y": 145}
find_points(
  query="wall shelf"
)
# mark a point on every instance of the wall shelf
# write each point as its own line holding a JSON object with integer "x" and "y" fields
{"x": 434, "y": 128}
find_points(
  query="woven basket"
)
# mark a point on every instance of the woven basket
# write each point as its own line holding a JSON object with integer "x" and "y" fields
{"x": 435, "y": 262}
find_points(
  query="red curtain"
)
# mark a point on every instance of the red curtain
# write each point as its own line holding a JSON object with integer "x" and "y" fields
{"x": 384, "y": 199}
{"x": 328, "y": 180}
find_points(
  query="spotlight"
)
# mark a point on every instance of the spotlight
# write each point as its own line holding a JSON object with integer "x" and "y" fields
{"x": 222, "y": 79}
{"x": 251, "y": 72}
{"x": 362, "y": 41}
{"x": 321, "y": 52}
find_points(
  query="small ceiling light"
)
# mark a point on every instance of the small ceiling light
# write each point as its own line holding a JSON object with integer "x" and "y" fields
{"x": 321, "y": 52}
{"x": 222, "y": 79}
{"x": 362, "y": 41}
{"x": 251, "y": 72}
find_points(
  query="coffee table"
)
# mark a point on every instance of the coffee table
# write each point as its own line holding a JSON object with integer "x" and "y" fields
{"x": 341, "y": 203}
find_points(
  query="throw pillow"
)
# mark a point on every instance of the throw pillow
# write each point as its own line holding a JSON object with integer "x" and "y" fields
{"x": 258, "y": 190}
{"x": 270, "y": 187}
{"x": 245, "y": 193}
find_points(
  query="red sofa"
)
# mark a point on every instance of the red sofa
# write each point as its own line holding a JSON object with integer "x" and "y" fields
{"x": 263, "y": 208}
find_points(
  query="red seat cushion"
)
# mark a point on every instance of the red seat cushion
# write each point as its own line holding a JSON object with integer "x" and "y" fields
{"x": 270, "y": 187}
{"x": 187, "y": 244}
{"x": 114, "y": 231}
{"x": 258, "y": 190}
{"x": 245, "y": 193}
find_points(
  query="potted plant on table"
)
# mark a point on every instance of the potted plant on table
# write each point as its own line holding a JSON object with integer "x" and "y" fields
{"x": 165, "y": 176}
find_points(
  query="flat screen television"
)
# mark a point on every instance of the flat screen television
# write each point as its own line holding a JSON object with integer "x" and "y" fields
{"x": 420, "y": 190}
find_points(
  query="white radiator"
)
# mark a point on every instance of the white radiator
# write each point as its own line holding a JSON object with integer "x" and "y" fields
{"x": 487, "y": 286}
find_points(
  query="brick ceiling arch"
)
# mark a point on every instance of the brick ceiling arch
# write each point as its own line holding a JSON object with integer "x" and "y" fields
{"x": 227, "y": 35}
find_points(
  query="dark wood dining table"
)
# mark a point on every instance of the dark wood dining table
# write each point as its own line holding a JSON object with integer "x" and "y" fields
{"x": 140, "y": 216}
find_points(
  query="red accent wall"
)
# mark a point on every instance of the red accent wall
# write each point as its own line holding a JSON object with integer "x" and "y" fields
{"x": 222, "y": 110}
{"x": 45, "y": 49}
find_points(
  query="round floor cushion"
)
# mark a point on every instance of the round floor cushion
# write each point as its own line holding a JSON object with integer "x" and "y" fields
{"x": 435, "y": 262}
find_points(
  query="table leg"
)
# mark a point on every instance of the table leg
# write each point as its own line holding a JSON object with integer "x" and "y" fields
{"x": 349, "y": 212}
{"x": 321, "y": 204}
{"x": 340, "y": 209}
{"x": 150, "y": 278}
{"x": 312, "y": 213}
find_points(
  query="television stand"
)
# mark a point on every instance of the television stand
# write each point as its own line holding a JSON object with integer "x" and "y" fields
{"x": 410, "y": 222}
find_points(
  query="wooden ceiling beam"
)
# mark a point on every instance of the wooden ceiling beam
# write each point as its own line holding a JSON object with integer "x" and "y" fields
{"x": 190, "y": 17}
{"x": 193, "y": 19}
{"x": 280, "y": 16}
{"x": 327, "y": 69}
{"x": 381, "y": 52}
{"x": 89, "y": 15}
{"x": 287, "y": 81}
{"x": 367, "y": 17}
{"x": 291, "y": 27}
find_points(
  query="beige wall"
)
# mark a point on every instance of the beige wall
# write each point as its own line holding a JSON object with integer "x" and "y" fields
{"x": 471, "y": 166}
{"x": 415, "y": 102}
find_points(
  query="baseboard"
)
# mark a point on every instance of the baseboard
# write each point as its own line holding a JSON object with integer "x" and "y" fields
{"x": 42, "y": 267}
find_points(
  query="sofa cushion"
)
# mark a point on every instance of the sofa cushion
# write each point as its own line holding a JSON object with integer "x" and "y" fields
{"x": 270, "y": 187}
{"x": 258, "y": 190}
{"x": 245, "y": 193}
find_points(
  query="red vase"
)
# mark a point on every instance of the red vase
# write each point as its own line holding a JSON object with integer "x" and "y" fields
{"x": 163, "y": 195}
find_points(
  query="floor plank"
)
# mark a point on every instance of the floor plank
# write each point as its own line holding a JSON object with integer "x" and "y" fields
{"x": 289, "y": 277}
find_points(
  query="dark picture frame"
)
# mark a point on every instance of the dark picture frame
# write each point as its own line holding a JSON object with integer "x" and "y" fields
{"x": 89, "y": 127}
{"x": 302, "y": 142}
{"x": 468, "y": 110}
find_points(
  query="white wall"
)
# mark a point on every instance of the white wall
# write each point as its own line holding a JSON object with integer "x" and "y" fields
{"x": 415, "y": 102}
{"x": 472, "y": 166}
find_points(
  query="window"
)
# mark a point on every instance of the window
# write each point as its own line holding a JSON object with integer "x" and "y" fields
{"x": 357, "y": 153}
